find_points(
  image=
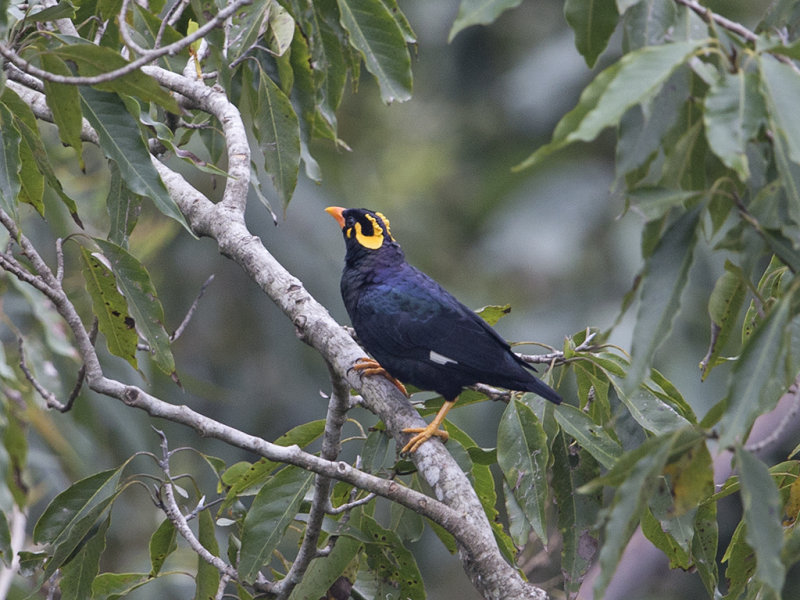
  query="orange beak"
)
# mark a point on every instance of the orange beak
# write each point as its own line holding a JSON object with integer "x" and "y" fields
{"x": 336, "y": 213}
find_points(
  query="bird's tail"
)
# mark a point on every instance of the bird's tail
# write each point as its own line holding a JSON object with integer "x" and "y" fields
{"x": 542, "y": 389}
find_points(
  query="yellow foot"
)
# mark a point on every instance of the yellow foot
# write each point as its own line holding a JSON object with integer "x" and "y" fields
{"x": 423, "y": 435}
{"x": 369, "y": 366}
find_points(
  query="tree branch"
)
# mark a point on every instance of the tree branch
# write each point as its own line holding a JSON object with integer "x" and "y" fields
{"x": 174, "y": 514}
{"x": 12, "y": 57}
{"x": 457, "y": 509}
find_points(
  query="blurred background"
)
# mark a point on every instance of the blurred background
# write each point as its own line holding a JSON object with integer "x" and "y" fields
{"x": 555, "y": 243}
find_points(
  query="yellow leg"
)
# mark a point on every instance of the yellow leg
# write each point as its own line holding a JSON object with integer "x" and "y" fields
{"x": 370, "y": 366}
{"x": 431, "y": 430}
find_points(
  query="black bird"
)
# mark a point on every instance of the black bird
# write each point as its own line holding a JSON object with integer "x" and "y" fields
{"x": 416, "y": 330}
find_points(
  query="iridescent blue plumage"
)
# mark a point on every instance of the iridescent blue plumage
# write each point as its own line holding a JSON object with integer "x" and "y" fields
{"x": 415, "y": 329}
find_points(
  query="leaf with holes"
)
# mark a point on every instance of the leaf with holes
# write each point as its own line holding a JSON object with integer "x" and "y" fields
{"x": 110, "y": 308}
{"x": 134, "y": 282}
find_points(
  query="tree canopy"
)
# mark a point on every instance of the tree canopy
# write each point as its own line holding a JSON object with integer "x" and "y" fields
{"x": 132, "y": 131}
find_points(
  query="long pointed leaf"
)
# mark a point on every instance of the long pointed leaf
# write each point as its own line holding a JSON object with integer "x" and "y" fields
{"x": 79, "y": 573}
{"x": 630, "y": 81}
{"x": 122, "y": 142}
{"x": 479, "y": 12}
{"x": 10, "y": 184}
{"x": 278, "y": 137}
{"x": 757, "y": 381}
{"x": 143, "y": 303}
{"x": 380, "y": 41}
{"x": 522, "y": 454}
{"x": 593, "y": 22}
{"x": 273, "y": 509}
{"x": 110, "y": 308}
{"x": 667, "y": 272}
{"x": 762, "y": 510}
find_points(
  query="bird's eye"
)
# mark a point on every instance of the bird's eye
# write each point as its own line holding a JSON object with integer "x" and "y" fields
{"x": 349, "y": 222}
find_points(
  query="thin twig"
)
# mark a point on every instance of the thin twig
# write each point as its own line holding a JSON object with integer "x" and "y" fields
{"x": 177, "y": 333}
{"x": 15, "y": 59}
{"x": 708, "y": 16}
{"x": 348, "y": 506}
{"x": 81, "y": 375}
{"x": 786, "y": 419}
{"x": 174, "y": 514}
{"x": 49, "y": 397}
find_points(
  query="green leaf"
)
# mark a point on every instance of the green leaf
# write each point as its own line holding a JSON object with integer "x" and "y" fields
{"x": 26, "y": 122}
{"x": 6, "y": 551}
{"x": 780, "y": 85}
{"x": 392, "y": 563}
{"x": 483, "y": 483}
{"x": 10, "y": 165}
{"x": 492, "y": 314}
{"x": 83, "y": 531}
{"x": 724, "y": 305}
{"x": 281, "y": 29}
{"x": 758, "y": 379}
{"x": 207, "y": 578}
{"x": 278, "y": 137}
{"x": 62, "y": 10}
{"x": 523, "y": 454}
{"x": 377, "y": 37}
{"x": 578, "y": 514}
{"x": 110, "y": 308}
{"x": 306, "y": 97}
{"x": 762, "y": 510}
{"x": 163, "y": 542}
{"x": 323, "y": 572}
{"x": 479, "y": 12}
{"x": 247, "y": 26}
{"x": 273, "y": 510}
{"x": 150, "y": 26}
{"x": 123, "y": 207}
{"x": 734, "y": 110}
{"x": 78, "y": 574}
{"x": 667, "y": 272}
{"x": 646, "y": 22}
{"x": 134, "y": 282}
{"x": 64, "y": 102}
{"x": 122, "y": 142}
{"x": 629, "y": 501}
{"x": 654, "y": 202}
{"x": 593, "y": 22}
{"x": 110, "y": 586}
{"x": 634, "y": 79}
{"x": 329, "y": 54}
{"x": 68, "y": 507}
{"x": 245, "y": 476}
{"x": 590, "y": 436}
{"x": 96, "y": 60}
{"x": 654, "y": 530}
{"x": 704, "y": 546}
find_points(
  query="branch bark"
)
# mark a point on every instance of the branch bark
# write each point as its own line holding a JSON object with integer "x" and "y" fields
{"x": 456, "y": 507}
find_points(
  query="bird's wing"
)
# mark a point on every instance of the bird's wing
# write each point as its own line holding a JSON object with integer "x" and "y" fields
{"x": 416, "y": 318}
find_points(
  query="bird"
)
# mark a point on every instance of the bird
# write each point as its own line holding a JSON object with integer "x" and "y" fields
{"x": 415, "y": 330}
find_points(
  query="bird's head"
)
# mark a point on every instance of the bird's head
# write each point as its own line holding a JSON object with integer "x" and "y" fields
{"x": 365, "y": 231}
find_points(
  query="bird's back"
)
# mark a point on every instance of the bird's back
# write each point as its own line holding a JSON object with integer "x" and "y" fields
{"x": 423, "y": 335}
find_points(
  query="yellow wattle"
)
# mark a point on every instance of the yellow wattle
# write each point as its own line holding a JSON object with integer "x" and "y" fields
{"x": 374, "y": 241}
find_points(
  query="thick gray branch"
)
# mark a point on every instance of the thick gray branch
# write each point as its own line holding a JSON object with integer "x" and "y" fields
{"x": 458, "y": 509}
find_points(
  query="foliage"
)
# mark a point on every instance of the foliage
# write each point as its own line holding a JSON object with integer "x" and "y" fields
{"x": 707, "y": 152}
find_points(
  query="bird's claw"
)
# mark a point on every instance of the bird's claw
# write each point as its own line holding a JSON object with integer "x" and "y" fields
{"x": 423, "y": 435}
{"x": 370, "y": 366}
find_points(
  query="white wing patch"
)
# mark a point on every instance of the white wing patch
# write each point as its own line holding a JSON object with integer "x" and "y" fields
{"x": 441, "y": 359}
